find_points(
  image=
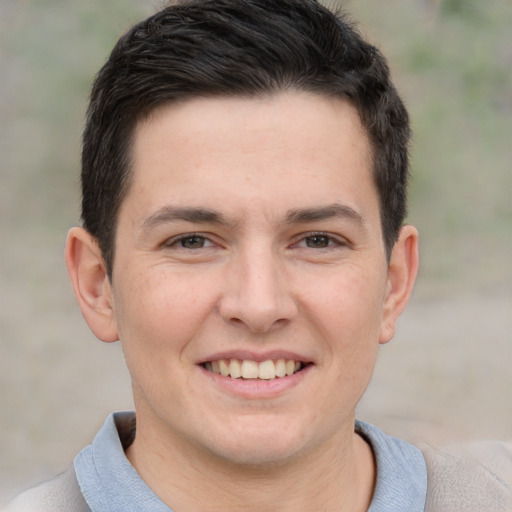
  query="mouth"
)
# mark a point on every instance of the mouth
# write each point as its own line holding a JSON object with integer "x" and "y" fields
{"x": 248, "y": 369}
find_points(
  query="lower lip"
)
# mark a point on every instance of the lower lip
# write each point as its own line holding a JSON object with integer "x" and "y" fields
{"x": 257, "y": 388}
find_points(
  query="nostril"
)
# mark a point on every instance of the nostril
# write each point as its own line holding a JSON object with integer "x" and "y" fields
{"x": 259, "y": 309}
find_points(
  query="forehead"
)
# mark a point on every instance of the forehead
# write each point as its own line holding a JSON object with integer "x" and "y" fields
{"x": 287, "y": 148}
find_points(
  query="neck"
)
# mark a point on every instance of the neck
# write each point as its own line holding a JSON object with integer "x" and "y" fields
{"x": 337, "y": 476}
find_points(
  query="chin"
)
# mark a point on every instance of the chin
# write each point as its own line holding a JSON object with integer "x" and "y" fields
{"x": 260, "y": 447}
{"x": 263, "y": 454}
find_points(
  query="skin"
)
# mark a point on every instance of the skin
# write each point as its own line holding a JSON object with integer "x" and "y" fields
{"x": 251, "y": 230}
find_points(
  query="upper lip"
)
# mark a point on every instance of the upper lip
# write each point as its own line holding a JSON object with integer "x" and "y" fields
{"x": 246, "y": 355}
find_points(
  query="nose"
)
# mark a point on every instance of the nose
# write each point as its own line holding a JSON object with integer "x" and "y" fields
{"x": 257, "y": 293}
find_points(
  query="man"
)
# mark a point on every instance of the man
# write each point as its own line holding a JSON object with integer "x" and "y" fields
{"x": 244, "y": 178}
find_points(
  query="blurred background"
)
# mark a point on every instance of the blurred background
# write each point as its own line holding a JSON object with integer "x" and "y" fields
{"x": 446, "y": 375}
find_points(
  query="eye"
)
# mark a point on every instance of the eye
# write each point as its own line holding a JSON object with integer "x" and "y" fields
{"x": 193, "y": 242}
{"x": 319, "y": 241}
{"x": 190, "y": 241}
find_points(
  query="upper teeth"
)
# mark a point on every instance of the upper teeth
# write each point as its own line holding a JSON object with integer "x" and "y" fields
{"x": 249, "y": 369}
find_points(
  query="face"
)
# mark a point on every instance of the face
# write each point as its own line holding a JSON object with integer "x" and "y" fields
{"x": 250, "y": 278}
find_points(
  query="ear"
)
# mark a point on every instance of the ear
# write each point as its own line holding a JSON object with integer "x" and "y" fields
{"x": 91, "y": 284}
{"x": 402, "y": 270}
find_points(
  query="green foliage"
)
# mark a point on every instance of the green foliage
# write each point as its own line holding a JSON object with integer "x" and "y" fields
{"x": 466, "y": 8}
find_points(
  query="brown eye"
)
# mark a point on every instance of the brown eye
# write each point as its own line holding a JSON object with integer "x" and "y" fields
{"x": 318, "y": 241}
{"x": 192, "y": 242}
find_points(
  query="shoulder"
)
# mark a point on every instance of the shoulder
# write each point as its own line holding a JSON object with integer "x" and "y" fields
{"x": 61, "y": 494}
{"x": 470, "y": 477}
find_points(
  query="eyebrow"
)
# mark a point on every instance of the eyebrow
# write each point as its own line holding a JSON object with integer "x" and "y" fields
{"x": 187, "y": 214}
{"x": 332, "y": 211}
{"x": 197, "y": 215}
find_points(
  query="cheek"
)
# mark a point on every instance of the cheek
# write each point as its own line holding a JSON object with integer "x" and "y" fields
{"x": 347, "y": 311}
{"x": 349, "y": 305}
{"x": 159, "y": 311}
{"x": 157, "y": 321}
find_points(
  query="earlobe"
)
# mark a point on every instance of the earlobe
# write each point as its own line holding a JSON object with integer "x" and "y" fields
{"x": 402, "y": 271}
{"x": 91, "y": 284}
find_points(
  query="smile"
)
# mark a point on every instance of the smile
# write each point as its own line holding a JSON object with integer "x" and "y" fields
{"x": 248, "y": 369}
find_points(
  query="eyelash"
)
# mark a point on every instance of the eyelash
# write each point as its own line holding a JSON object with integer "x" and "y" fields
{"x": 331, "y": 241}
{"x": 187, "y": 236}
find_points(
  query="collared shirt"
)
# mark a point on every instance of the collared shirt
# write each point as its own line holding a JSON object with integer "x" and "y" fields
{"x": 110, "y": 483}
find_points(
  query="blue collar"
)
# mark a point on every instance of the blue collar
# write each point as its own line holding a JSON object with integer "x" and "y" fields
{"x": 401, "y": 472}
{"x": 109, "y": 482}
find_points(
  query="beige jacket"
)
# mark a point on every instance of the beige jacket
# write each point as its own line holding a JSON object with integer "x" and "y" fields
{"x": 469, "y": 477}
